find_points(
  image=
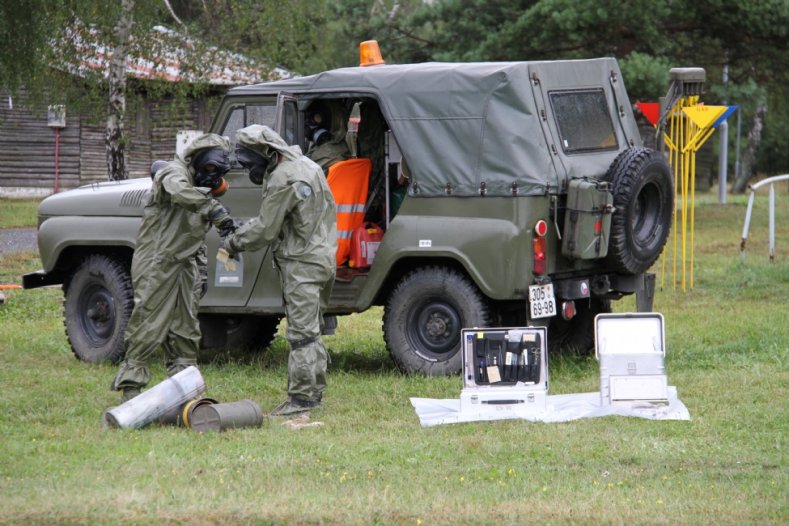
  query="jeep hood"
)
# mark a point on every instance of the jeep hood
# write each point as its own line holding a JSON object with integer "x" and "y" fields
{"x": 116, "y": 198}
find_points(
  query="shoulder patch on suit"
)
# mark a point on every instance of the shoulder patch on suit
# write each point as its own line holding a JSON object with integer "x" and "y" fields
{"x": 305, "y": 190}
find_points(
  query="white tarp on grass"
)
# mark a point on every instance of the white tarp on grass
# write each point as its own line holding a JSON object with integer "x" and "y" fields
{"x": 560, "y": 408}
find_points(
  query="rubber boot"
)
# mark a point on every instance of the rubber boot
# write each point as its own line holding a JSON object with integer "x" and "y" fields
{"x": 294, "y": 406}
{"x": 129, "y": 393}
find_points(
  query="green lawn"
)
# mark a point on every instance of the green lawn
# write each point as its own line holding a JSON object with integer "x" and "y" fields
{"x": 371, "y": 462}
{"x": 18, "y": 213}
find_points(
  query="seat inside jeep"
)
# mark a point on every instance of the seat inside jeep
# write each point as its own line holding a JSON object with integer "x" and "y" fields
{"x": 359, "y": 181}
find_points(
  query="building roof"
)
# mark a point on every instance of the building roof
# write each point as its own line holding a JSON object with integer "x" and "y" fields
{"x": 170, "y": 56}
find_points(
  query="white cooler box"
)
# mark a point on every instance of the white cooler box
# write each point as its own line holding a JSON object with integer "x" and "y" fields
{"x": 631, "y": 350}
{"x": 505, "y": 371}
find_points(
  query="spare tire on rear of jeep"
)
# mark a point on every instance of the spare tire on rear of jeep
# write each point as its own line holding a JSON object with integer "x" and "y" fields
{"x": 644, "y": 203}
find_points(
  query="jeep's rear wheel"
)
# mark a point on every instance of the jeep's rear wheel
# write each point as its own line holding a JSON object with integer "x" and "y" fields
{"x": 424, "y": 316}
{"x": 643, "y": 207}
{"x": 99, "y": 301}
{"x": 576, "y": 336}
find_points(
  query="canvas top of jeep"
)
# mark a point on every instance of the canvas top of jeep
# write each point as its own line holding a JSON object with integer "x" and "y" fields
{"x": 467, "y": 129}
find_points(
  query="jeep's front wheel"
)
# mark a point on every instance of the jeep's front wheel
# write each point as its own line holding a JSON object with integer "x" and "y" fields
{"x": 424, "y": 316}
{"x": 99, "y": 301}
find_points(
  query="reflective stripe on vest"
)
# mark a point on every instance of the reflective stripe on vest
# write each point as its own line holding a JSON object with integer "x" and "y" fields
{"x": 349, "y": 181}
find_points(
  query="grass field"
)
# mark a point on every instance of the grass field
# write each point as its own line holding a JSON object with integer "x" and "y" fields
{"x": 16, "y": 213}
{"x": 371, "y": 462}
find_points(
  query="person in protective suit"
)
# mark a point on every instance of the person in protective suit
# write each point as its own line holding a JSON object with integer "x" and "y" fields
{"x": 166, "y": 264}
{"x": 298, "y": 219}
{"x": 327, "y": 126}
{"x": 201, "y": 257}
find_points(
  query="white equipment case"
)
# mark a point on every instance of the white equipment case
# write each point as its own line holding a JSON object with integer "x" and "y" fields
{"x": 631, "y": 350}
{"x": 505, "y": 371}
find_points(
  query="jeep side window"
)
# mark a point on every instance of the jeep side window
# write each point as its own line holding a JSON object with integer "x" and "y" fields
{"x": 290, "y": 121}
{"x": 242, "y": 116}
{"x": 583, "y": 120}
{"x": 234, "y": 122}
{"x": 266, "y": 115}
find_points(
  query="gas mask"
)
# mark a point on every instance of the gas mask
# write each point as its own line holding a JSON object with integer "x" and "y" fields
{"x": 255, "y": 163}
{"x": 210, "y": 165}
{"x": 316, "y": 128}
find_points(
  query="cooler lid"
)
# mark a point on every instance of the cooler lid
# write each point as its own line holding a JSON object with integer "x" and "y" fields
{"x": 629, "y": 333}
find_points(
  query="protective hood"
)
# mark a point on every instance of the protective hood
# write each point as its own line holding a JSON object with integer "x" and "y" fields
{"x": 207, "y": 140}
{"x": 263, "y": 140}
{"x": 339, "y": 121}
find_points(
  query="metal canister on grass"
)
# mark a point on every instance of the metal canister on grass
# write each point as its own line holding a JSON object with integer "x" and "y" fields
{"x": 179, "y": 416}
{"x": 188, "y": 409}
{"x": 158, "y": 400}
{"x": 219, "y": 417}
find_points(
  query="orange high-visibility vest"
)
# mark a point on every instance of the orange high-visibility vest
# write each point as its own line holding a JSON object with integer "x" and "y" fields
{"x": 349, "y": 181}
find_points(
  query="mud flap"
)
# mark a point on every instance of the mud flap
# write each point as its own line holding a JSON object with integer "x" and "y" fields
{"x": 645, "y": 292}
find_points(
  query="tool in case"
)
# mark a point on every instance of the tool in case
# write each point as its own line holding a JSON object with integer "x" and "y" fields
{"x": 504, "y": 370}
{"x": 631, "y": 350}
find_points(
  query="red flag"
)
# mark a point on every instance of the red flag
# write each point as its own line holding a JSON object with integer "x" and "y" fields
{"x": 650, "y": 110}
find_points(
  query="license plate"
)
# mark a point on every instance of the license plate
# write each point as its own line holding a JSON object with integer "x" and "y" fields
{"x": 542, "y": 301}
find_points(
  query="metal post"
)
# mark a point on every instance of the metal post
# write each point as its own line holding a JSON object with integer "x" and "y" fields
{"x": 737, "y": 147}
{"x": 772, "y": 223}
{"x": 56, "y": 118}
{"x": 747, "y": 225}
{"x": 723, "y": 155}
{"x": 57, "y": 160}
{"x": 723, "y": 164}
{"x": 771, "y": 204}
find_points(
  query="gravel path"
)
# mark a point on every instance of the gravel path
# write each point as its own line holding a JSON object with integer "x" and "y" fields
{"x": 18, "y": 239}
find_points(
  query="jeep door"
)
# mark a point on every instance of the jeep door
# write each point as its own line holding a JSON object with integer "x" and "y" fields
{"x": 256, "y": 282}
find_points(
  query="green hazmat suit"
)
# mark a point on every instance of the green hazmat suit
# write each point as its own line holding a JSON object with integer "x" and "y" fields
{"x": 166, "y": 269}
{"x": 298, "y": 219}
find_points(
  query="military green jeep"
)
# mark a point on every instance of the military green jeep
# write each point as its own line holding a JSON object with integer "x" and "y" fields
{"x": 508, "y": 194}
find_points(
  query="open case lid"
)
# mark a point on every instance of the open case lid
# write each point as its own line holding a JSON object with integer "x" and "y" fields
{"x": 629, "y": 333}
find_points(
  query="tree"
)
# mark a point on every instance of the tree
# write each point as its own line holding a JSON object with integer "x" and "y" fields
{"x": 116, "y": 159}
{"x": 26, "y": 29}
{"x": 290, "y": 34}
{"x": 43, "y": 44}
{"x": 647, "y": 36}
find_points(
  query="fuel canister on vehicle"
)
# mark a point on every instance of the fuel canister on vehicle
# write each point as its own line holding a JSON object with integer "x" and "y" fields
{"x": 365, "y": 241}
{"x": 587, "y": 220}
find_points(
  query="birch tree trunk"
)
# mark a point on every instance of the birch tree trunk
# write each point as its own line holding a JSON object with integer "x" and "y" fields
{"x": 114, "y": 139}
{"x": 749, "y": 159}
